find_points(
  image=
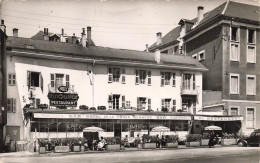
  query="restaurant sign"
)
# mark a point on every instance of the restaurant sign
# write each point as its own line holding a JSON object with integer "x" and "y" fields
{"x": 63, "y": 99}
{"x": 215, "y": 118}
{"x": 99, "y": 116}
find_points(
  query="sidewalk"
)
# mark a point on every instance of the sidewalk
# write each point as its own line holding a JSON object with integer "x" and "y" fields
{"x": 36, "y": 154}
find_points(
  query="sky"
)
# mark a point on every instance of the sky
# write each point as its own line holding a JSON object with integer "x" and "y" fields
{"x": 122, "y": 24}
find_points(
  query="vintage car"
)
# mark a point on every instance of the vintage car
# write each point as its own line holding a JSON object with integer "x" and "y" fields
{"x": 253, "y": 139}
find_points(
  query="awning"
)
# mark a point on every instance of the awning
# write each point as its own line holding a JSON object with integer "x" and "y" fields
{"x": 110, "y": 116}
{"x": 218, "y": 118}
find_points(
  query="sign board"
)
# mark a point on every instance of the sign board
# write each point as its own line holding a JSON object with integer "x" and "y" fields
{"x": 99, "y": 116}
{"x": 63, "y": 89}
{"x": 63, "y": 99}
{"x": 222, "y": 118}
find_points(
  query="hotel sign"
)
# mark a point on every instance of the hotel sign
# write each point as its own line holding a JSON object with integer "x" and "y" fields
{"x": 98, "y": 116}
{"x": 212, "y": 118}
{"x": 63, "y": 99}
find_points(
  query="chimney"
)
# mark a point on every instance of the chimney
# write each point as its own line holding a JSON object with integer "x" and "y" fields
{"x": 62, "y": 35}
{"x": 74, "y": 39}
{"x": 83, "y": 38}
{"x": 146, "y": 46}
{"x": 157, "y": 56}
{"x": 200, "y": 13}
{"x": 89, "y": 35}
{"x": 158, "y": 38}
{"x": 15, "y": 32}
{"x": 62, "y": 31}
{"x": 45, "y": 34}
{"x": 2, "y": 26}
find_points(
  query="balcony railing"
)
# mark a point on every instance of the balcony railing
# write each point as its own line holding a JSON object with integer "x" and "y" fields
{"x": 189, "y": 90}
{"x": 56, "y": 90}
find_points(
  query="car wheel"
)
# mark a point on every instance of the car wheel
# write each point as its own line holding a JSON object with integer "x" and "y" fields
{"x": 240, "y": 144}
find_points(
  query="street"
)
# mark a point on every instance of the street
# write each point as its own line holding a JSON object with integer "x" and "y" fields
{"x": 194, "y": 155}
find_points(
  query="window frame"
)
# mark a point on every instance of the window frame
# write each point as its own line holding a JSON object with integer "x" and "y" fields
{"x": 12, "y": 79}
{"x": 254, "y": 37}
{"x": 238, "y": 78}
{"x": 252, "y": 76}
{"x": 204, "y": 56}
{"x": 237, "y": 107}
{"x": 254, "y": 123}
{"x": 230, "y": 53}
{"x": 238, "y": 34}
{"x": 195, "y": 55}
{"x": 12, "y": 105}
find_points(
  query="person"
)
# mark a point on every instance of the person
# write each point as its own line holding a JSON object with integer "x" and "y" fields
{"x": 212, "y": 140}
{"x": 157, "y": 141}
{"x": 126, "y": 142}
{"x": 137, "y": 141}
{"x": 163, "y": 141}
{"x": 101, "y": 144}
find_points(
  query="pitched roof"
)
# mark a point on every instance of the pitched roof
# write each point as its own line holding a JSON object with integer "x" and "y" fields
{"x": 39, "y": 36}
{"x": 96, "y": 52}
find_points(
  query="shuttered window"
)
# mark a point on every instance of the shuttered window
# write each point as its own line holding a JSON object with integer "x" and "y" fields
{"x": 250, "y": 118}
{"x": 251, "y": 57}
{"x": 251, "y": 85}
{"x": 149, "y": 104}
{"x": 234, "y": 84}
{"x": 123, "y": 101}
{"x": 162, "y": 78}
{"x": 11, "y": 105}
{"x": 67, "y": 81}
{"x": 173, "y": 80}
{"x": 11, "y": 79}
{"x": 110, "y": 75}
{"x": 137, "y": 78}
{"x": 149, "y": 76}
{"x": 123, "y": 75}
{"x": 234, "y": 52}
{"x": 173, "y": 105}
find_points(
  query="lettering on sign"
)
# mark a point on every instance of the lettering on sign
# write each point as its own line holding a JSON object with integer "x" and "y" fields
{"x": 63, "y": 99}
{"x": 217, "y": 118}
{"x": 63, "y": 89}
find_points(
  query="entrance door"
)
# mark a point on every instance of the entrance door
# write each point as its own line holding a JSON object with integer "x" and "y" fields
{"x": 14, "y": 132}
{"x": 117, "y": 129}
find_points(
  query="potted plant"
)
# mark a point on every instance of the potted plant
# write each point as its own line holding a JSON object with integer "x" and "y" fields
{"x": 83, "y": 107}
{"x": 113, "y": 143}
{"x": 149, "y": 142}
{"x": 42, "y": 145}
{"x": 193, "y": 140}
{"x": 205, "y": 139}
{"x": 171, "y": 141}
{"x": 62, "y": 145}
{"x": 101, "y": 108}
{"x": 229, "y": 139}
{"x": 76, "y": 145}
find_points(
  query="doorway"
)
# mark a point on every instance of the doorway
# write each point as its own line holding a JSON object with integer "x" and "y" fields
{"x": 117, "y": 129}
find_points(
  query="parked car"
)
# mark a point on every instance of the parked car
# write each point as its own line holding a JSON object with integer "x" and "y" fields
{"x": 253, "y": 139}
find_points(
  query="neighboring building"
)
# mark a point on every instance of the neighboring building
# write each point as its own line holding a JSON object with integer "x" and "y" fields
{"x": 133, "y": 86}
{"x": 225, "y": 40}
{"x": 3, "y": 85}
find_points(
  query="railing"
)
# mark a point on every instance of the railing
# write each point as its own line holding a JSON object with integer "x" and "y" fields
{"x": 189, "y": 90}
{"x": 55, "y": 89}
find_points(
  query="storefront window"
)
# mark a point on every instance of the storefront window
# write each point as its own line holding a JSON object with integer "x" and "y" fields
{"x": 35, "y": 127}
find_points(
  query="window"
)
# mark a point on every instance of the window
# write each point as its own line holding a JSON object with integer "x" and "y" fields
{"x": 251, "y": 85}
{"x": 149, "y": 104}
{"x": 189, "y": 81}
{"x": 141, "y": 102}
{"x": 116, "y": 102}
{"x": 251, "y": 36}
{"x": 234, "y": 111}
{"x": 201, "y": 55}
{"x": 11, "y": 79}
{"x": 137, "y": 78}
{"x": 113, "y": 74}
{"x": 169, "y": 104}
{"x": 128, "y": 104}
{"x": 58, "y": 80}
{"x": 234, "y": 53}
{"x": 34, "y": 79}
{"x": 194, "y": 56}
{"x": 235, "y": 34}
{"x": 234, "y": 84}
{"x": 251, "y": 57}
{"x": 166, "y": 78}
{"x": 142, "y": 76}
{"x": 250, "y": 118}
{"x": 11, "y": 105}
{"x": 149, "y": 76}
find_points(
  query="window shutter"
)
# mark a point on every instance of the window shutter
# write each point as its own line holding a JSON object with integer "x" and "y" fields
{"x": 173, "y": 79}
{"x": 162, "y": 103}
{"x": 28, "y": 79}
{"x": 194, "y": 82}
{"x": 110, "y": 98}
{"x": 138, "y": 102}
{"x": 137, "y": 78}
{"x": 110, "y": 75}
{"x": 174, "y": 105}
{"x": 149, "y": 77}
{"x": 68, "y": 81}
{"x": 162, "y": 78}
{"x": 9, "y": 105}
{"x": 9, "y": 79}
{"x": 52, "y": 80}
{"x": 149, "y": 104}
{"x": 123, "y": 75}
{"x": 14, "y": 79}
{"x": 123, "y": 101}
{"x": 41, "y": 79}
{"x": 238, "y": 34}
{"x": 14, "y": 105}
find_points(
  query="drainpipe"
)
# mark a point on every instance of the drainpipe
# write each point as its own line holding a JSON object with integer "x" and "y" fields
{"x": 93, "y": 89}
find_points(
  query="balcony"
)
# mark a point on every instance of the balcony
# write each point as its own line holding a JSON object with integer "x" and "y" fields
{"x": 55, "y": 89}
{"x": 189, "y": 90}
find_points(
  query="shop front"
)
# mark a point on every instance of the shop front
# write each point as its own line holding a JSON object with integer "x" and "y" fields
{"x": 65, "y": 123}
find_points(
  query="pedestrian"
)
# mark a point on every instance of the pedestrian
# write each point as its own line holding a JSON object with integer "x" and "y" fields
{"x": 163, "y": 141}
{"x": 212, "y": 140}
{"x": 157, "y": 141}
